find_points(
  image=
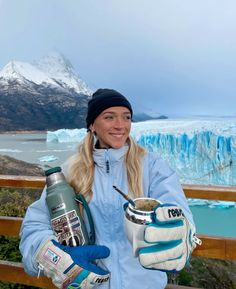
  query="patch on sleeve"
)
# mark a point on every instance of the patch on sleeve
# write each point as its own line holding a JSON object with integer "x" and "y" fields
{"x": 51, "y": 256}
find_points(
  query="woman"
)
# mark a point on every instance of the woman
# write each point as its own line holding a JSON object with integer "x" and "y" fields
{"x": 108, "y": 157}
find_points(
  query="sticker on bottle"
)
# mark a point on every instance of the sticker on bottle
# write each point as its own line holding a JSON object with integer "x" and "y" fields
{"x": 67, "y": 228}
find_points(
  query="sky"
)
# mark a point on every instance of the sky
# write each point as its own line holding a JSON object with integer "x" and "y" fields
{"x": 171, "y": 57}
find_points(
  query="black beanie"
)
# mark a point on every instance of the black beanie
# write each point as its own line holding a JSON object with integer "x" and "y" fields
{"x": 102, "y": 99}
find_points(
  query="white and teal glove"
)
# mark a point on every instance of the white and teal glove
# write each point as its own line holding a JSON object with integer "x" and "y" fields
{"x": 72, "y": 267}
{"x": 171, "y": 240}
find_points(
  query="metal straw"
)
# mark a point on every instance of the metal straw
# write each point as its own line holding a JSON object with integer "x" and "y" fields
{"x": 125, "y": 196}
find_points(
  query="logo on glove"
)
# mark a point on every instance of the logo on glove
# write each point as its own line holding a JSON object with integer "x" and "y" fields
{"x": 101, "y": 280}
{"x": 52, "y": 256}
{"x": 172, "y": 213}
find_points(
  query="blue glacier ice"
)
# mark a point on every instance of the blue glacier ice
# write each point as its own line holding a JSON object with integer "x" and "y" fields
{"x": 48, "y": 158}
{"x": 198, "y": 202}
{"x": 221, "y": 204}
{"x": 10, "y": 150}
{"x": 201, "y": 151}
{"x": 66, "y": 135}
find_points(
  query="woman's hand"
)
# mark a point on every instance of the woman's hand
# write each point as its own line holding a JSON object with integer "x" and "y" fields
{"x": 73, "y": 266}
{"x": 171, "y": 238}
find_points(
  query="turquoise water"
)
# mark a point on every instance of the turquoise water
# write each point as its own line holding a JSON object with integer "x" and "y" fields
{"x": 30, "y": 147}
{"x": 215, "y": 221}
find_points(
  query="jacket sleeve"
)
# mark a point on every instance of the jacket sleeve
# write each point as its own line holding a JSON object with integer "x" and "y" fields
{"x": 35, "y": 230}
{"x": 164, "y": 184}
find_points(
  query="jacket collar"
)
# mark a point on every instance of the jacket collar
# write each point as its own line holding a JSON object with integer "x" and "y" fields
{"x": 101, "y": 156}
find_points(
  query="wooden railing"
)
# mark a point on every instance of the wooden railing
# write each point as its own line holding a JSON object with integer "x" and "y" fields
{"x": 212, "y": 246}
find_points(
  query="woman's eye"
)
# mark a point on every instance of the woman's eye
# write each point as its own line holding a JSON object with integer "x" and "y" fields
{"x": 109, "y": 117}
{"x": 127, "y": 117}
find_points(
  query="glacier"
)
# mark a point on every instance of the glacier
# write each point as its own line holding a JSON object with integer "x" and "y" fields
{"x": 66, "y": 135}
{"x": 201, "y": 151}
{"x": 47, "y": 158}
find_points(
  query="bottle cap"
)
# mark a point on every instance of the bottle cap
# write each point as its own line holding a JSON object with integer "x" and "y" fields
{"x": 52, "y": 171}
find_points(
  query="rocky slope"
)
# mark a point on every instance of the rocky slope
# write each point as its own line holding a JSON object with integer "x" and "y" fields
{"x": 12, "y": 166}
{"x": 40, "y": 108}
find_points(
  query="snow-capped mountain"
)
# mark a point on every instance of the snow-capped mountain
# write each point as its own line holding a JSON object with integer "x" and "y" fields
{"x": 52, "y": 70}
{"x": 40, "y": 96}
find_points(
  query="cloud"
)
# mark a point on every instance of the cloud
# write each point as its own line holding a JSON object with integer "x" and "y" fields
{"x": 178, "y": 56}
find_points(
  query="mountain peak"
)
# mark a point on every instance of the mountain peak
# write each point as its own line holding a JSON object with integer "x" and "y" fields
{"x": 53, "y": 69}
{"x": 54, "y": 62}
{"x": 58, "y": 67}
{"x": 12, "y": 69}
{"x": 24, "y": 70}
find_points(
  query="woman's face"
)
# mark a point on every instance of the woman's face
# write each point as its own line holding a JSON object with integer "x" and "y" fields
{"x": 112, "y": 127}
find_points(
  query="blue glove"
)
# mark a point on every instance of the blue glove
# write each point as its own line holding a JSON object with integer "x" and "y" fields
{"x": 73, "y": 267}
{"x": 170, "y": 240}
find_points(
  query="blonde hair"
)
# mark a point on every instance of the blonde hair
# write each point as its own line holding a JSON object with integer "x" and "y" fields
{"x": 81, "y": 167}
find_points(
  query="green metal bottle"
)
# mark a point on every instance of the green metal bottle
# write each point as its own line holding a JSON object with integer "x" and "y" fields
{"x": 66, "y": 219}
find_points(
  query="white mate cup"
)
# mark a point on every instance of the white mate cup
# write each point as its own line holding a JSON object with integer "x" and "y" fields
{"x": 136, "y": 220}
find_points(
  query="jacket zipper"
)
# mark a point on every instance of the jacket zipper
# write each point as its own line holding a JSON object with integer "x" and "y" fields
{"x": 107, "y": 162}
{"x": 40, "y": 267}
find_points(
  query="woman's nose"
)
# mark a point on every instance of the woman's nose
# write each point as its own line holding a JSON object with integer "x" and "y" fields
{"x": 119, "y": 122}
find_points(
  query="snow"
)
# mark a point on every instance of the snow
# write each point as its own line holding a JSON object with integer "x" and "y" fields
{"x": 53, "y": 69}
{"x": 58, "y": 67}
{"x": 21, "y": 70}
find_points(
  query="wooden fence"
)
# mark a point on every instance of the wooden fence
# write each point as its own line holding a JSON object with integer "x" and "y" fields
{"x": 217, "y": 247}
